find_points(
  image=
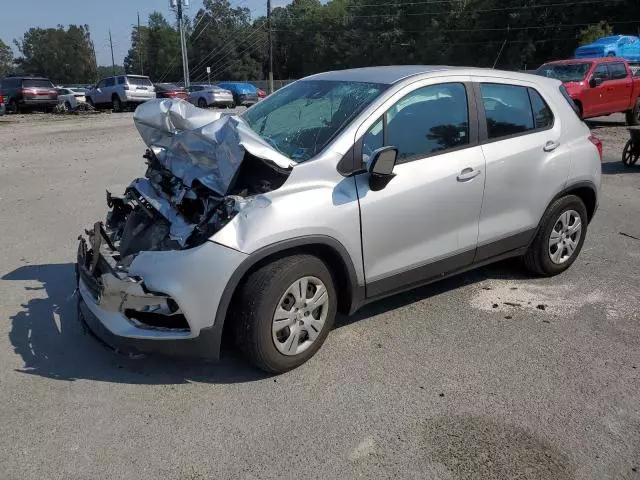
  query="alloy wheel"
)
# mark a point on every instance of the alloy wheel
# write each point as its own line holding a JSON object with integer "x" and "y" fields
{"x": 300, "y": 315}
{"x": 565, "y": 237}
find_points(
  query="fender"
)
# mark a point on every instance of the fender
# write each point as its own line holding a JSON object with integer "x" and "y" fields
{"x": 567, "y": 189}
{"x": 356, "y": 291}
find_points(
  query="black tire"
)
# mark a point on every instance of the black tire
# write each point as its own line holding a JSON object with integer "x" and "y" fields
{"x": 116, "y": 104}
{"x": 202, "y": 103}
{"x": 90, "y": 102}
{"x": 67, "y": 105}
{"x": 537, "y": 259}
{"x": 13, "y": 106}
{"x": 258, "y": 299}
{"x": 233, "y": 105}
{"x": 633, "y": 115}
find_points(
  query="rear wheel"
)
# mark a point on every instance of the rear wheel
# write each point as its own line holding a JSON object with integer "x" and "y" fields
{"x": 633, "y": 115}
{"x": 287, "y": 309}
{"x": 559, "y": 239}
{"x": 116, "y": 104}
{"x": 202, "y": 103}
{"x": 13, "y": 106}
{"x": 629, "y": 155}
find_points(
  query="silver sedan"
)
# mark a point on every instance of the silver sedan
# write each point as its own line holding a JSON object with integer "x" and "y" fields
{"x": 205, "y": 96}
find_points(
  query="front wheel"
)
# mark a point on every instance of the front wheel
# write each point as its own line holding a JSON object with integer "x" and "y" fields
{"x": 202, "y": 103}
{"x": 559, "y": 239}
{"x": 286, "y": 310}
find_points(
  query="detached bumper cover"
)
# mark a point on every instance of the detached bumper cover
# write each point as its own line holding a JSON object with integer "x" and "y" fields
{"x": 194, "y": 279}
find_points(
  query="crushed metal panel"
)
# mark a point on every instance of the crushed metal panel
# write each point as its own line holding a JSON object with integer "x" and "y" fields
{"x": 180, "y": 229}
{"x": 195, "y": 144}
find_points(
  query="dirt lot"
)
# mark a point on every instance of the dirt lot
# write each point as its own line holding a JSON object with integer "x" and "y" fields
{"x": 489, "y": 375}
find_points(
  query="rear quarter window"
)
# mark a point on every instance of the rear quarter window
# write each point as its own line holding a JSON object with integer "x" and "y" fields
{"x": 570, "y": 101}
{"x": 618, "y": 71}
{"x": 542, "y": 115}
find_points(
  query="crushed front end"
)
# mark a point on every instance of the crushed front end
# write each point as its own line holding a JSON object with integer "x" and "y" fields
{"x": 149, "y": 272}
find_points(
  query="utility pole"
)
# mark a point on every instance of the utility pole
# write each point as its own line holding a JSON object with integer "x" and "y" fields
{"x": 178, "y": 4}
{"x": 270, "y": 47}
{"x": 113, "y": 62}
{"x": 140, "y": 46}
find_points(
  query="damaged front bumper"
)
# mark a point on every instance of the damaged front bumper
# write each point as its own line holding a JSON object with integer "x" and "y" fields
{"x": 161, "y": 295}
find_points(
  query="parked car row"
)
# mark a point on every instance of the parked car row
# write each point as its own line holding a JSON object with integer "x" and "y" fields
{"x": 119, "y": 93}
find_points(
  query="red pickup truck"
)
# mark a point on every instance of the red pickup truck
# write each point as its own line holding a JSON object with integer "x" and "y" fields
{"x": 598, "y": 86}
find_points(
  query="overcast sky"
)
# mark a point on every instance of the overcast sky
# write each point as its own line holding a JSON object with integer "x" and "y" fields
{"x": 17, "y": 16}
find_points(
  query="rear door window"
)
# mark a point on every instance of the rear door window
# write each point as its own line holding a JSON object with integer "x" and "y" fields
{"x": 507, "y": 110}
{"x": 110, "y": 82}
{"x": 618, "y": 71}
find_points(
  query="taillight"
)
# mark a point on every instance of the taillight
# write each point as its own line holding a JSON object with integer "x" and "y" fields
{"x": 1, "y": 97}
{"x": 598, "y": 143}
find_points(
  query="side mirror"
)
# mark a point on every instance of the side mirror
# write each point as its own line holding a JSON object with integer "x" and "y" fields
{"x": 595, "y": 82}
{"x": 381, "y": 167}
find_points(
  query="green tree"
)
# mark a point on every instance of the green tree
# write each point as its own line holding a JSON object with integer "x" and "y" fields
{"x": 108, "y": 71}
{"x": 159, "y": 44}
{"x": 6, "y": 59}
{"x": 594, "y": 32}
{"x": 65, "y": 56}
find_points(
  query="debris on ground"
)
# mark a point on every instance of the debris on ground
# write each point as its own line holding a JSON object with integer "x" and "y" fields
{"x": 541, "y": 306}
{"x": 628, "y": 235}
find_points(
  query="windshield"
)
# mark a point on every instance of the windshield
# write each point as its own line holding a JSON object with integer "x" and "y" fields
{"x": 302, "y": 118}
{"x": 565, "y": 72}
{"x": 141, "y": 81}
{"x": 36, "y": 83}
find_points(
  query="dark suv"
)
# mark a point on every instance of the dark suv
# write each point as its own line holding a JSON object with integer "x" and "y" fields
{"x": 23, "y": 93}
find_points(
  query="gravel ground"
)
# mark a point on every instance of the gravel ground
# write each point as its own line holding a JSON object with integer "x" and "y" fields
{"x": 492, "y": 374}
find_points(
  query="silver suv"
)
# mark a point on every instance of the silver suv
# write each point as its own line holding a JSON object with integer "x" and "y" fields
{"x": 337, "y": 190}
{"x": 121, "y": 91}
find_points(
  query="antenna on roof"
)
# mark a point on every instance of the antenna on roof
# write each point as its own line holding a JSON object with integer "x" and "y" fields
{"x": 501, "y": 48}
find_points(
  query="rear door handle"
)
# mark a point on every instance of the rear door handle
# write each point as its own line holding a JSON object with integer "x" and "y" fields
{"x": 467, "y": 174}
{"x": 550, "y": 146}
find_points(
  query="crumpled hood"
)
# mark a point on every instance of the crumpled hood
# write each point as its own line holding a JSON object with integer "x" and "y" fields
{"x": 203, "y": 145}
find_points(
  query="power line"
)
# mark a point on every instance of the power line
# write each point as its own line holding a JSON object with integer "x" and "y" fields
{"x": 226, "y": 64}
{"x": 227, "y": 44}
{"x": 502, "y": 29}
{"x": 489, "y": 10}
{"x": 521, "y": 7}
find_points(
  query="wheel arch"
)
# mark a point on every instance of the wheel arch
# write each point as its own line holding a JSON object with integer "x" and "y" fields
{"x": 585, "y": 191}
{"x": 328, "y": 249}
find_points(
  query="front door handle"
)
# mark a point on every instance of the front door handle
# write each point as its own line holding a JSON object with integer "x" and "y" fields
{"x": 467, "y": 174}
{"x": 550, "y": 146}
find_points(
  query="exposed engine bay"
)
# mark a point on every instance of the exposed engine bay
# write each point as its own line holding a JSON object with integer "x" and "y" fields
{"x": 160, "y": 212}
{"x": 201, "y": 170}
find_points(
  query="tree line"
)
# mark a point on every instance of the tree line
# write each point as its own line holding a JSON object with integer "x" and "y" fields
{"x": 309, "y": 36}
